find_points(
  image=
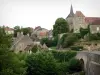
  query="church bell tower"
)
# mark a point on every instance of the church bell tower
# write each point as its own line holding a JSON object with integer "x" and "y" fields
{"x": 70, "y": 18}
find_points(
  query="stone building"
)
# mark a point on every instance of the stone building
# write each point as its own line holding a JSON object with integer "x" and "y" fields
{"x": 21, "y": 42}
{"x": 78, "y": 20}
{"x": 94, "y": 24}
{"x": 40, "y": 32}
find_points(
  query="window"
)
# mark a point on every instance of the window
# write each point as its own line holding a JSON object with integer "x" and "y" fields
{"x": 97, "y": 28}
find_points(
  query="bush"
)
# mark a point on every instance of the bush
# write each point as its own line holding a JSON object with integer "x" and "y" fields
{"x": 34, "y": 49}
{"x": 42, "y": 63}
{"x": 95, "y": 36}
{"x": 49, "y": 63}
{"x": 49, "y": 42}
{"x": 74, "y": 66}
{"x": 83, "y": 32}
{"x": 63, "y": 56}
{"x": 62, "y": 68}
{"x": 77, "y": 48}
{"x": 55, "y": 41}
{"x": 69, "y": 40}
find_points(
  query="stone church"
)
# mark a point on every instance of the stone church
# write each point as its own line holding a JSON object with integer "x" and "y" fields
{"x": 79, "y": 20}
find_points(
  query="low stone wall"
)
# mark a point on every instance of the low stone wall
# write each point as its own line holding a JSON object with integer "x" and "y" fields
{"x": 94, "y": 63}
{"x": 91, "y": 62}
{"x": 94, "y": 68}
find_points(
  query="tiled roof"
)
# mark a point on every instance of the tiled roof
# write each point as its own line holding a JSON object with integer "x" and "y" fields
{"x": 43, "y": 33}
{"x": 96, "y": 22}
{"x": 92, "y": 20}
{"x": 79, "y": 14}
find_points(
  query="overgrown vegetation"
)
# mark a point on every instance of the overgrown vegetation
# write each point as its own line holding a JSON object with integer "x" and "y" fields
{"x": 49, "y": 42}
{"x": 68, "y": 40}
{"x": 52, "y": 63}
{"x": 25, "y": 31}
{"x": 37, "y": 63}
{"x": 10, "y": 64}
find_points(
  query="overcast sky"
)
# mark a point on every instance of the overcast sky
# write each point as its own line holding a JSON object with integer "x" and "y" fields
{"x": 32, "y": 13}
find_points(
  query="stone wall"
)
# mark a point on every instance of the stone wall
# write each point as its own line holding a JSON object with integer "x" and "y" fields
{"x": 91, "y": 62}
{"x": 70, "y": 22}
{"x": 79, "y": 22}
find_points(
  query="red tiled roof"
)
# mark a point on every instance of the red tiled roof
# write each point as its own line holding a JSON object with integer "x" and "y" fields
{"x": 43, "y": 33}
{"x": 79, "y": 14}
{"x": 96, "y": 22}
{"x": 92, "y": 20}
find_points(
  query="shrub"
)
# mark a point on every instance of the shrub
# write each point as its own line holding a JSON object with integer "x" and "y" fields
{"x": 42, "y": 63}
{"x": 74, "y": 66}
{"x": 95, "y": 36}
{"x": 62, "y": 68}
{"x": 49, "y": 42}
{"x": 69, "y": 40}
{"x": 49, "y": 63}
{"x": 55, "y": 41}
{"x": 34, "y": 49}
{"x": 63, "y": 56}
{"x": 83, "y": 32}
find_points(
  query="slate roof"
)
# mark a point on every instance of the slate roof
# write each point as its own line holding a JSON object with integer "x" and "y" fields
{"x": 71, "y": 14}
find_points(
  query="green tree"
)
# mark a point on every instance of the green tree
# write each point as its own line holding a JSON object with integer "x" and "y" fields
{"x": 9, "y": 63}
{"x": 16, "y": 29}
{"x": 60, "y": 26}
{"x": 26, "y": 31}
{"x": 41, "y": 63}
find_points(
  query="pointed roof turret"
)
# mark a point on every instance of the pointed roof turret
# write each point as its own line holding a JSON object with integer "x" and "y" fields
{"x": 71, "y": 14}
{"x": 71, "y": 9}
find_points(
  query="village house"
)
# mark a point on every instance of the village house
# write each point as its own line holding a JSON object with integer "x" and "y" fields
{"x": 21, "y": 42}
{"x": 40, "y": 32}
{"x": 9, "y": 30}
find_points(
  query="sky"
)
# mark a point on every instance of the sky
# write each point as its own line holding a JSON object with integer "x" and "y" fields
{"x": 32, "y": 13}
